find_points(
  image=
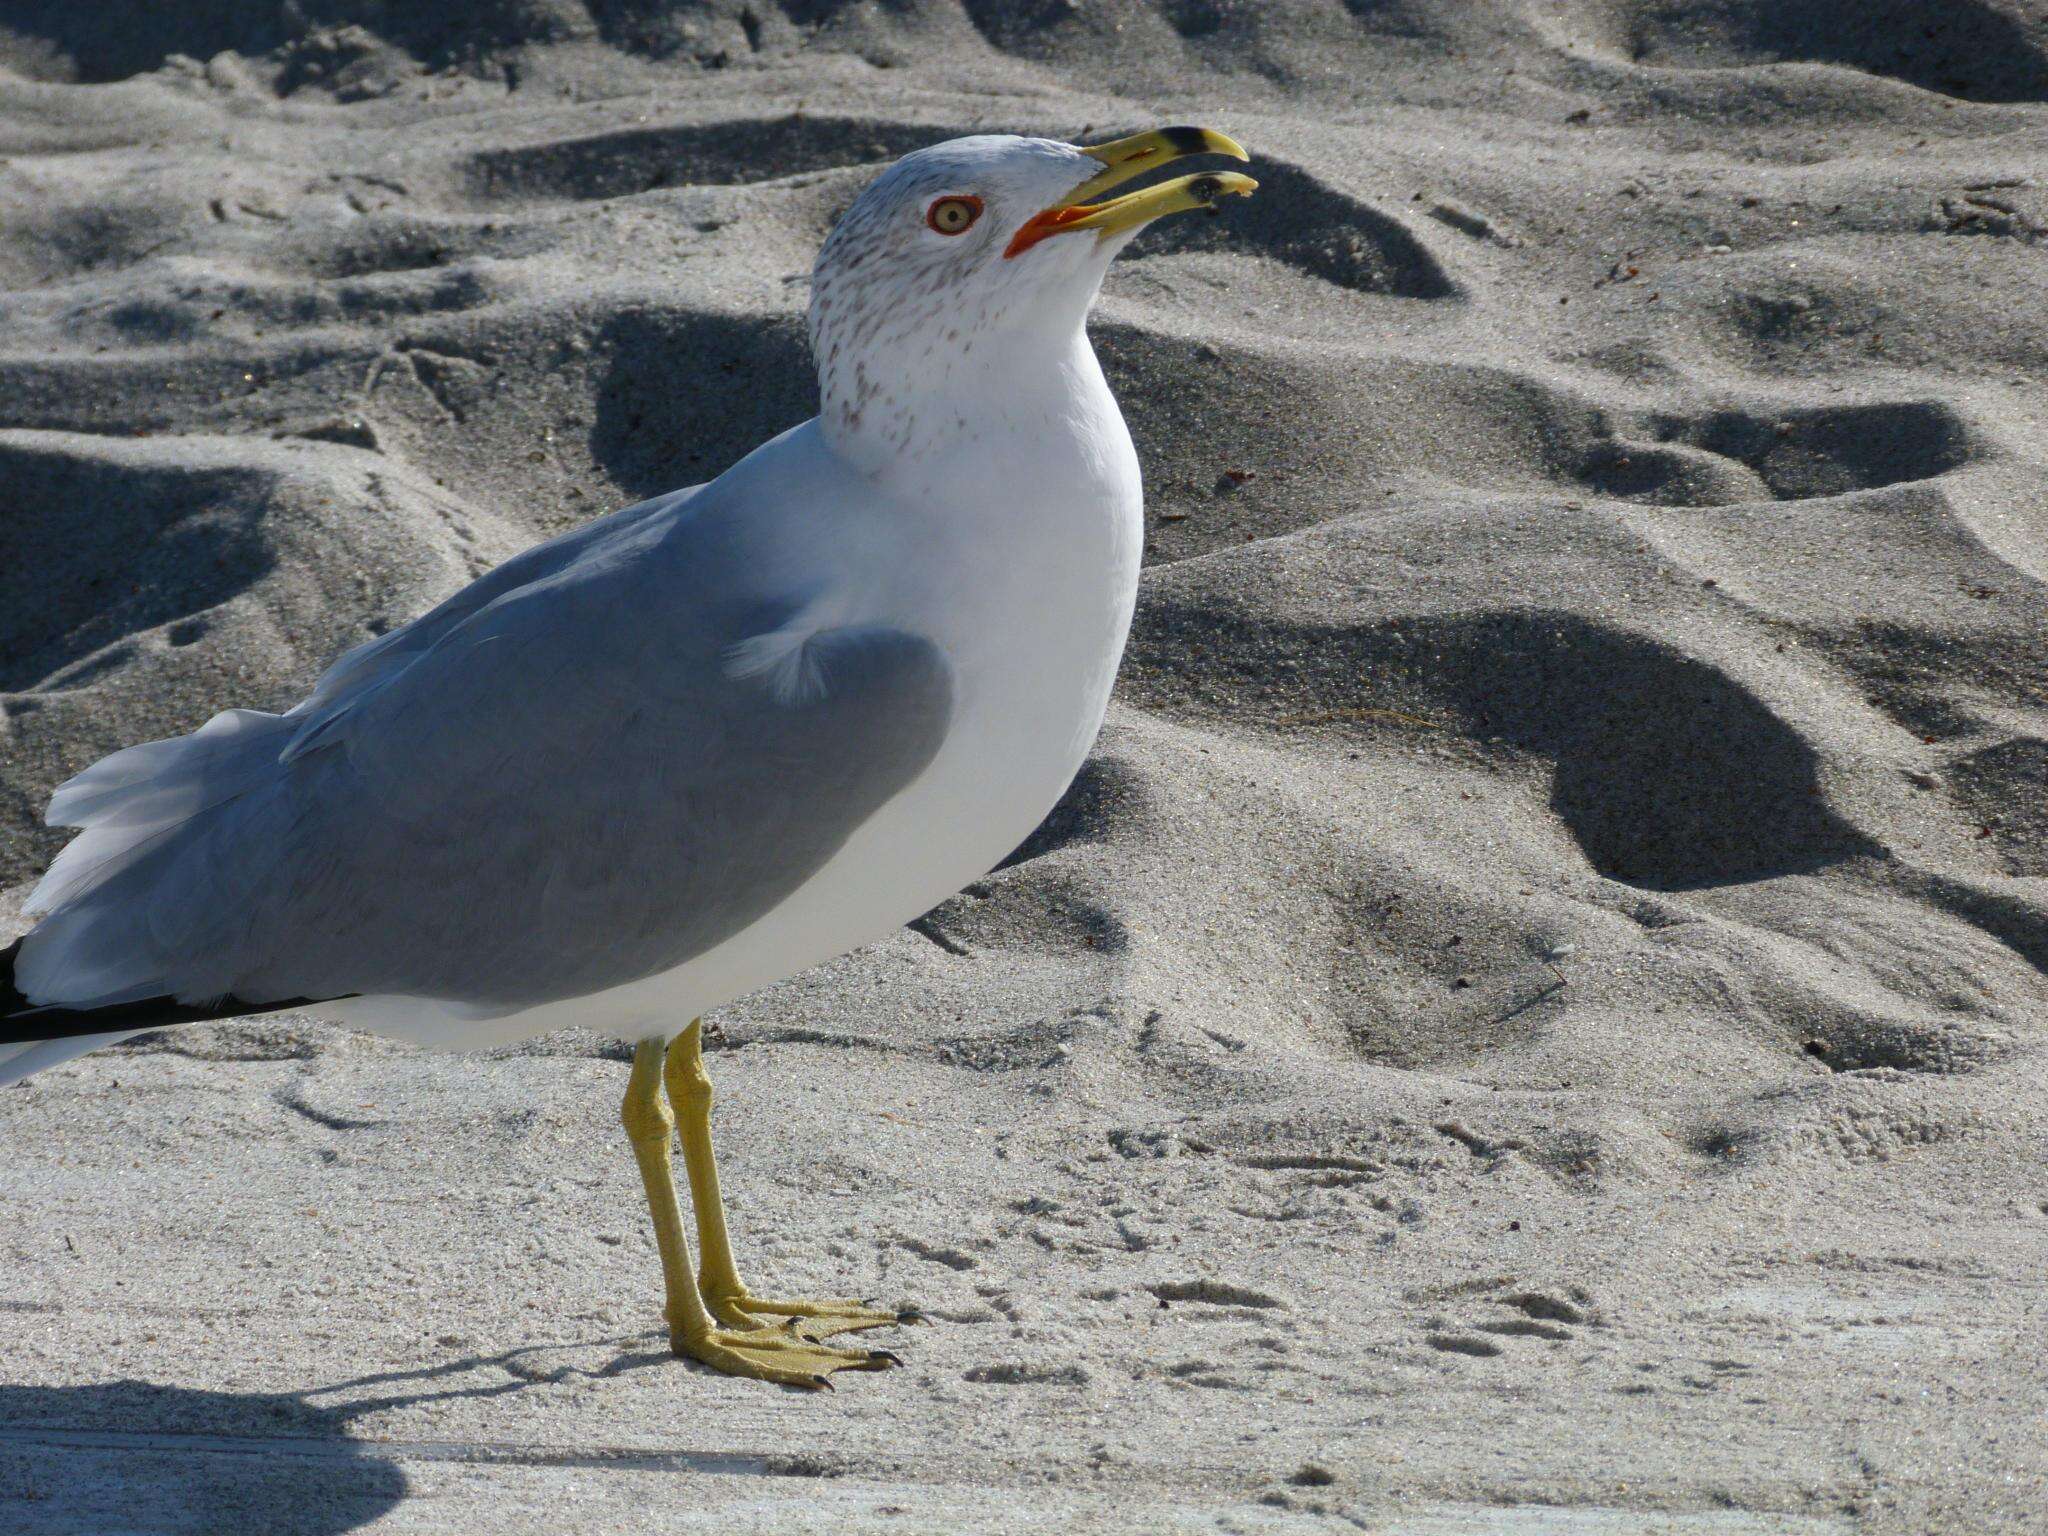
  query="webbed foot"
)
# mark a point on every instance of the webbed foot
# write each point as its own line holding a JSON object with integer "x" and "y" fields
{"x": 777, "y": 1354}
{"x": 744, "y": 1311}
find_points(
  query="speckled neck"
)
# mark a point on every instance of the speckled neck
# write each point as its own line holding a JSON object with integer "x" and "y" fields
{"x": 908, "y": 361}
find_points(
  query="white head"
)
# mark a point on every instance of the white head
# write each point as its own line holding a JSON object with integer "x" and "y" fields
{"x": 975, "y": 258}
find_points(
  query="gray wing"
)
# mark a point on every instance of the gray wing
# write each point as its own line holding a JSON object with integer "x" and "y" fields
{"x": 565, "y": 789}
{"x": 135, "y": 795}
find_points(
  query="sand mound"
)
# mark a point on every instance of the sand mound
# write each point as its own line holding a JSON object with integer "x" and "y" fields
{"x": 1533, "y": 1017}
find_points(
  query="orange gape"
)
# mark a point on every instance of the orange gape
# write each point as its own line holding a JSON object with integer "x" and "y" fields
{"x": 1040, "y": 225}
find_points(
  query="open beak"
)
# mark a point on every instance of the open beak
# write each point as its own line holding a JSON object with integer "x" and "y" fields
{"x": 1123, "y": 159}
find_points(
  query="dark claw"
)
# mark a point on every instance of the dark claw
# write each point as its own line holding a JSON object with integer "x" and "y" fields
{"x": 885, "y": 1357}
{"x": 825, "y": 1382}
{"x": 911, "y": 1315}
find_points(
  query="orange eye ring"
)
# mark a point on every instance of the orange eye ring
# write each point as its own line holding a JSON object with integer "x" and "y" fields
{"x": 953, "y": 215}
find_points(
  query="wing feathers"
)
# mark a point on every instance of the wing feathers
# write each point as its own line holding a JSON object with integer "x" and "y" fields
{"x": 558, "y": 782}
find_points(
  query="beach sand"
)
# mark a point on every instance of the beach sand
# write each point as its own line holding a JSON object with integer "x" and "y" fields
{"x": 1535, "y": 1016}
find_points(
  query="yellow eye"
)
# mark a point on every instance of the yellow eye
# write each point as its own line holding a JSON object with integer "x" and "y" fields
{"x": 953, "y": 215}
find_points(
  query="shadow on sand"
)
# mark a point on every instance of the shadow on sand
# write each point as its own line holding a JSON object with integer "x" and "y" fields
{"x": 143, "y": 1456}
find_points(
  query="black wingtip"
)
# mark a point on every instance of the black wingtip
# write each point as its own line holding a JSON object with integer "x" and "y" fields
{"x": 22, "y": 1021}
{"x": 11, "y": 1000}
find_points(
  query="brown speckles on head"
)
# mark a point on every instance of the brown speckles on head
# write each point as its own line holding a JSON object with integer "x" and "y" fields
{"x": 897, "y": 307}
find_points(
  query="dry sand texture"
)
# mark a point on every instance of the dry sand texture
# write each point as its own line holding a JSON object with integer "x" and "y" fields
{"x": 1533, "y": 1019}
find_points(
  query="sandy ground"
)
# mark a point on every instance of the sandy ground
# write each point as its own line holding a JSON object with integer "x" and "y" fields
{"x": 1532, "y": 1020}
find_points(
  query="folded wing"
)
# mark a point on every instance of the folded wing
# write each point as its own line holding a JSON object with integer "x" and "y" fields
{"x": 554, "y": 784}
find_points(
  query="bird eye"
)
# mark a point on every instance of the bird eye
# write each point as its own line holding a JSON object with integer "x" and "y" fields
{"x": 953, "y": 215}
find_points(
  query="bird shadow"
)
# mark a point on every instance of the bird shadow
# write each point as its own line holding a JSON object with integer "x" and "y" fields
{"x": 144, "y": 1455}
{"x": 686, "y": 393}
{"x": 164, "y": 544}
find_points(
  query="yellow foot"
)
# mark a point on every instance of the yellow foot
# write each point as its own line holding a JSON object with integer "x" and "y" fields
{"x": 747, "y": 1312}
{"x": 778, "y": 1355}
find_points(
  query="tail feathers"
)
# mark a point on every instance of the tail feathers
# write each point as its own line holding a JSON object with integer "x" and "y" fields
{"x": 128, "y": 803}
{"x": 113, "y": 912}
{"x": 109, "y": 922}
{"x": 25, "y": 1058}
{"x": 34, "y": 1036}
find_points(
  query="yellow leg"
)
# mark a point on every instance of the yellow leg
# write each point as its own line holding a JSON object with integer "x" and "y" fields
{"x": 723, "y": 1292}
{"x": 780, "y": 1357}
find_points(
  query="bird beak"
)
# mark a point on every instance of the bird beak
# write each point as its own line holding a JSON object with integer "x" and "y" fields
{"x": 1121, "y": 160}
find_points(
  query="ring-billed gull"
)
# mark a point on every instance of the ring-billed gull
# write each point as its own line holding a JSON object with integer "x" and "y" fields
{"x": 690, "y": 748}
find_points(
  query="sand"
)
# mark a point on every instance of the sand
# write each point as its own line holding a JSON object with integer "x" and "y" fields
{"x": 1531, "y": 1021}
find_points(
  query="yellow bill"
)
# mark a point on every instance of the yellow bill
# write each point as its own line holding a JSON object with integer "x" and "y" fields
{"x": 1123, "y": 159}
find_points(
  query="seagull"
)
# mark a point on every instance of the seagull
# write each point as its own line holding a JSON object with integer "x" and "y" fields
{"x": 693, "y": 747}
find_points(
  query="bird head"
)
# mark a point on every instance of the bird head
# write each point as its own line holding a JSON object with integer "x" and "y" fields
{"x": 991, "y": 243}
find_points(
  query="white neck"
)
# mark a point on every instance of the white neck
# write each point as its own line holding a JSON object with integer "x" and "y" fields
{"x": 899, "y": 390}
